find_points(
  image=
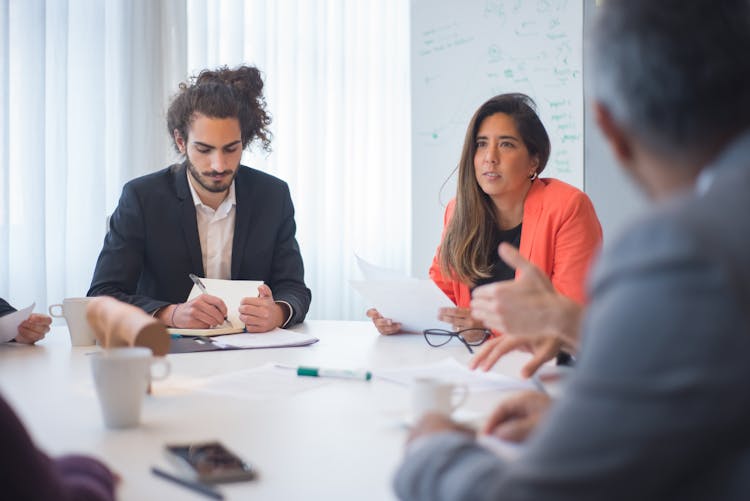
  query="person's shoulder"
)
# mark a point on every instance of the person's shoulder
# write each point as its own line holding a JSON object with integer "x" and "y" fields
{"x": 560, "y": 190}
{"x": 553, "y": 196}
{"x": 153, "y": 179}
{"x": 257, "y": 177}
{"x": 659, "y": 237}
{"x": 450, "y": 209}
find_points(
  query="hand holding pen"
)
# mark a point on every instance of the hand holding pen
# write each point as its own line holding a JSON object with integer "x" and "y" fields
{"x": 203, "y": 312}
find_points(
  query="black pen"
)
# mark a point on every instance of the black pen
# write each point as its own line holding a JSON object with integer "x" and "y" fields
{"x": 196, "y": 486}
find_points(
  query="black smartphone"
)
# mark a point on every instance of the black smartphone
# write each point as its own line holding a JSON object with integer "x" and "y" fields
{"x": 209, "y": 462}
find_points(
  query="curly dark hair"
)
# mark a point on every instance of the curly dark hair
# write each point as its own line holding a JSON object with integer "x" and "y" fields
{"x": 223, "y": 93}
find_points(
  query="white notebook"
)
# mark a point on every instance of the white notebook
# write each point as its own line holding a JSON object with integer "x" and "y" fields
{"x": 231, "y": 292}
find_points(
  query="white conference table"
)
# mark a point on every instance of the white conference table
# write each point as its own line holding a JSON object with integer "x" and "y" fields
{"x": 340, "y": 440}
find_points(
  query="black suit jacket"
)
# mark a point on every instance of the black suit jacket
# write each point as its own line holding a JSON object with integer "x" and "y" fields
{"x": 153, "y": 244}
{"x": 5, "y": 308}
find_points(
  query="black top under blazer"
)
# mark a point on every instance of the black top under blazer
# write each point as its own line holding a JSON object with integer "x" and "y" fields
{"x": 152, "y": 244}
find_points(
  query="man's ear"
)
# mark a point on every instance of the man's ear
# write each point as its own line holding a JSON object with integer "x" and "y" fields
{"x": 179, "y": 141}
{"x": 618, "y": 139}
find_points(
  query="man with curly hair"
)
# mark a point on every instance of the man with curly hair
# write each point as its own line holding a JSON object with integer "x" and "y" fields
{"x": 208, "y": 215}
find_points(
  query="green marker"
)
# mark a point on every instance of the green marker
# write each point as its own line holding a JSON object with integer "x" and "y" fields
{"x": 339, "y": 373}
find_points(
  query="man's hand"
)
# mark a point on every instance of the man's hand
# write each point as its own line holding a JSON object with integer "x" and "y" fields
{"x": 459, "y": 318}
{"x": 33, "y": 328}
{"x": 385, "y": 326}
{"x": 435, "y": 423}
{"x": 261, "y": 314}
{"x": 543, "y": 348}
{"x": 516, "y": 417}
{"x": 527, "y": 306}
{"x": 203, "y": 312}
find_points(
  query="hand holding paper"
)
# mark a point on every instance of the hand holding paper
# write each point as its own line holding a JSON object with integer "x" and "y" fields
{"x": 385, "y": 326}
{"x": 24, "y": 326}
{"x": 34, "y": 328}
{"x": 414, "y": 303}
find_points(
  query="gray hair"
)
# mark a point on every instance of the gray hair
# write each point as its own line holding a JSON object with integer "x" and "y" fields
{"x": 674, "y": 73}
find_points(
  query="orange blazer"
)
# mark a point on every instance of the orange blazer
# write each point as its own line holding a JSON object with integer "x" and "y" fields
{"x": 560, "y": 234}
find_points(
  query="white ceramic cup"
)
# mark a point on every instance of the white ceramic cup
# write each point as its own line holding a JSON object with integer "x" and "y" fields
{"x": 121, "y": 376}
{"x": 73, "y": 309}
{"x": 434, "y": 395}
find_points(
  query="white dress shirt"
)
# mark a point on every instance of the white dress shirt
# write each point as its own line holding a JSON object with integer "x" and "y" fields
{"x": 216, "y": 234}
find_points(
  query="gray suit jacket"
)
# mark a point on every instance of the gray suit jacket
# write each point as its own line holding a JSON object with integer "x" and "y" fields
{"x": 659, "y": 406}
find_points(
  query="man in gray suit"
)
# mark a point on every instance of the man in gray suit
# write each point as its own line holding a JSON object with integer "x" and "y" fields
{"x": 658, "y": 407}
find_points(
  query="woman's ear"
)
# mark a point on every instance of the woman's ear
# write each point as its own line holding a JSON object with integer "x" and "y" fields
{"x": 535, "y": 166}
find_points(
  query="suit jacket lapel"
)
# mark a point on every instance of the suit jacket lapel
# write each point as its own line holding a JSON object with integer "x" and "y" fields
{"x": 243, "y": 213}
{"x": 188, "y": 218}
{"x": 532, "y": 209}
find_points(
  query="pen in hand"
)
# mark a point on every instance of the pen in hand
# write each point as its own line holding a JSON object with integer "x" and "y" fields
{"x": 199, "y": 283}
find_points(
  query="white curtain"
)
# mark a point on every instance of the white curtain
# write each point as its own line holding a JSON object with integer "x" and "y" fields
{"x": 84, "y": 86}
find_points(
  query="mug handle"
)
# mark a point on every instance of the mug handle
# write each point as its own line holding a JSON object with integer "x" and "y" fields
{"x": 164, "y": 363}
{"x": 53, "y": 314}
{"x": 464, "y": 394}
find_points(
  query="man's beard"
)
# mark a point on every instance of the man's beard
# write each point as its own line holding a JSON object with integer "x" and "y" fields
{"x": 207, "y": 183}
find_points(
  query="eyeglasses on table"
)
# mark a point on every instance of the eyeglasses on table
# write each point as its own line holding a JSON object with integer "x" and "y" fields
{"x": 469, "y": 337}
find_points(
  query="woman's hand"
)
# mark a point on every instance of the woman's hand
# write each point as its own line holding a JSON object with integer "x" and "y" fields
{"x": 385, "y": 326}
{"x": 459, "y": 318}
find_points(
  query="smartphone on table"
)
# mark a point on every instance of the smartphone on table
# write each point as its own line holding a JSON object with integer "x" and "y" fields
{"x": 209, "y": 462}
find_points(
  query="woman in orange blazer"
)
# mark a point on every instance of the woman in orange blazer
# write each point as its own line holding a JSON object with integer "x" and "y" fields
{"x": 500, "y": 198}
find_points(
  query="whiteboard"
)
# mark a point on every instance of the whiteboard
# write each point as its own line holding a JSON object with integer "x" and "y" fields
{"x": 463, "y": 53}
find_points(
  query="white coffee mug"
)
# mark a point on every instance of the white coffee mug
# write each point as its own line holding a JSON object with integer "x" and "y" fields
{"x": 434, "y": 395}
{"x": 73, "y": 309}
{"x": 121, "y": 376}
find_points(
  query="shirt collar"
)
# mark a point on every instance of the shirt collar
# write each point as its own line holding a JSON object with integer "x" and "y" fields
{"x": 735, "y": 153}
{"x": 229, "y": 201}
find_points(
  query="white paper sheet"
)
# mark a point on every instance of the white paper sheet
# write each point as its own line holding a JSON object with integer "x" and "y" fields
{"x": 266, "y": 382}
{"x": 373, "y": 272}
{"x": 277, "y": 338}
{"x": 452, "y": 371}
{"x": 231, "y": 292}
{"x": 414, "y": 303}
{"x": 9, "y": 323}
